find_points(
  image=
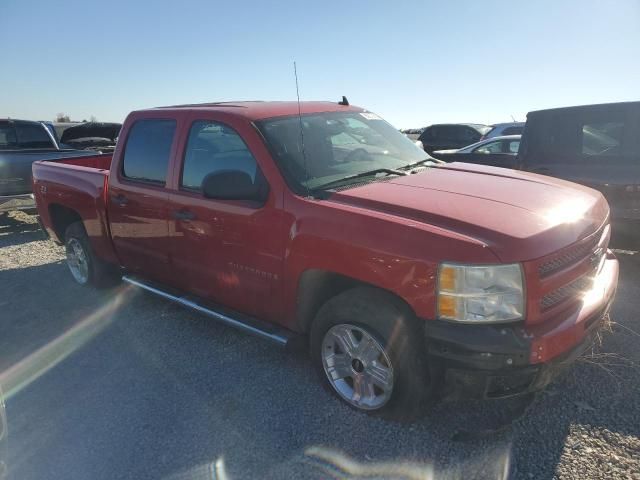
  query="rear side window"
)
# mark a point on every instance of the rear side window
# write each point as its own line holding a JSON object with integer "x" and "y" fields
{"x": 602, "y": 138}
{"x": 214, "y": 147}
{"x": 33, "y": 135}
{"x": 468, "y": 135}
{"x": 8, "y": 139}
{"x": 148, "y": 148}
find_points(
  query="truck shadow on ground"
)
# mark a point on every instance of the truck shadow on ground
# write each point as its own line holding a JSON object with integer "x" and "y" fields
{"x": 162, "y": 390}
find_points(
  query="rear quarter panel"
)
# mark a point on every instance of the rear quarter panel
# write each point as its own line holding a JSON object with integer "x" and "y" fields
{"x": 81, "y": 189}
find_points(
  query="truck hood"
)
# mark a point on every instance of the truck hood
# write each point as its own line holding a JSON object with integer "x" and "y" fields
{"x": 520, "y": 216}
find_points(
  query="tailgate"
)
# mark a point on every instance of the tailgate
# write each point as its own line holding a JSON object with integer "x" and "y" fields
{"x": 15, "y": 167}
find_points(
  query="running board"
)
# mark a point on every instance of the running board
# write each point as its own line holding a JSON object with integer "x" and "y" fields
{"x": 236, "y": 320}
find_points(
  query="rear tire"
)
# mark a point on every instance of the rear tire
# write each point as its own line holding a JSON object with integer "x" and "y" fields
{"x": 85, "y": 267}
{"x": 369, "y": 350}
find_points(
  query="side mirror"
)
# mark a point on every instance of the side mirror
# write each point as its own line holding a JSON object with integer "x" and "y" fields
{"x": 232, "y": 185}
{"x": 419, "y": 144}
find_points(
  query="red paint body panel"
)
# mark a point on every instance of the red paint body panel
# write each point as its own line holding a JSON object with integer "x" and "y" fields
{"x": 392, "y": 234}
{"x": 81, "y": 189}
{"x": 551, "y": 339}
{"x": 101, "y": 161}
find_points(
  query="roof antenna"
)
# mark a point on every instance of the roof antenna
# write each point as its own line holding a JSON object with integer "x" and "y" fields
{"x": 513, "y": 118}
{"x": 304, "y": 153}
{"x": 344, "y": 101}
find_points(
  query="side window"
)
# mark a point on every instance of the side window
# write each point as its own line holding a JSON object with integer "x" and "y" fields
{"x": 428, "y": 134}
{"x": 491, "y": 147}
{"x": 450, "y": 133}
{"x": 148, "y": 148}
{"x": 214, "y": 147}
{"x": 468, "y": 135}
{"x": 602, "y": 138}
{"x": 556, "y": 140}
{"x": 33, "y": 135}
{"x": 512, "y": 146}
{"x": 7, "y": 137}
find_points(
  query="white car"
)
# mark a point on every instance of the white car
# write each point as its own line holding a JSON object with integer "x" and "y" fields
{"x": 495, "y": 152}
{"x": 508, "y": 144}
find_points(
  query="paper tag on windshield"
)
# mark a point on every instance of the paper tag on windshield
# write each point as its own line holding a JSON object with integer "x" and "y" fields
{"x": 370, "y": 116}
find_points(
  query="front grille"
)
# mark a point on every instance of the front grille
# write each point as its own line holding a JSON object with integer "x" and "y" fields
{"x": 571, "y": 291}
{"x": 569, "y": 258}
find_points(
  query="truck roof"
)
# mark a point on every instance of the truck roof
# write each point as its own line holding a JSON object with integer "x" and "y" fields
{"x": 258, "y": 110}
{"x": 596, "y": 106}
{"x": 16, "y": 120}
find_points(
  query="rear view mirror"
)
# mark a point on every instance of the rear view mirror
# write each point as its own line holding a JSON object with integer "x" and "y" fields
{"x": 232, "y": 185}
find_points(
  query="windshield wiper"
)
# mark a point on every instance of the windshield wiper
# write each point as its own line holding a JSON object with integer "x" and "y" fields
{"x": 422, "y": 162}
{"x": 340, "y": 181}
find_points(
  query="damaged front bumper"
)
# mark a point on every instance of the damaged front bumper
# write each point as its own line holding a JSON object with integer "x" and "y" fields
{"x": 494, "y": 361}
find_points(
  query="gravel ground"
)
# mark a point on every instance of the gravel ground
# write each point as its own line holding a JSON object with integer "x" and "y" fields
{"x": 120, "y": 384}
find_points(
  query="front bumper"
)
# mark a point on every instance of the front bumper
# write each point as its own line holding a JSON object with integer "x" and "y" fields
{"x": 492, "y": 361}
{"x": 10, "y": 203}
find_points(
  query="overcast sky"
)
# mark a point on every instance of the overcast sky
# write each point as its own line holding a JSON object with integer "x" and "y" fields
{"x": 414, "y": 63}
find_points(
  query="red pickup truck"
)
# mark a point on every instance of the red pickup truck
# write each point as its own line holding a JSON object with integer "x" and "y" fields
{"x": 410, "y": 278}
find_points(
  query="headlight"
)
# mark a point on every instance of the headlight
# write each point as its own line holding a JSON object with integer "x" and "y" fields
{"x": 480, "y": 294}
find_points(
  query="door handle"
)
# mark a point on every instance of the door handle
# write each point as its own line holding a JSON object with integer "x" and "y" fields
{"x": 120, "y": 200}
{"x": 184, "y": 215}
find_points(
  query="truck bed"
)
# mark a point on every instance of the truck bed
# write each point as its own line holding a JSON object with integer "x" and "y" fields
{"x": 77, "y": 185}
{"x": 100, "y": 161}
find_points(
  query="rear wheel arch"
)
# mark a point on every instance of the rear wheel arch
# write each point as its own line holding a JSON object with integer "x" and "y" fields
{"x": 61, "y": 218}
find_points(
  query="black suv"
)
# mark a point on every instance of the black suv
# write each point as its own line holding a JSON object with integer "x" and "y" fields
{"x": 446, "y": 136}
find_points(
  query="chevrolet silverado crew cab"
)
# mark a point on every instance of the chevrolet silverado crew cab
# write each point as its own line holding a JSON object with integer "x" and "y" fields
{"x": 409, "y": 278}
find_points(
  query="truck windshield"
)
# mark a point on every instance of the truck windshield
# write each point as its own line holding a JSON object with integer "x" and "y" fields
{"x": 336, "y": 145}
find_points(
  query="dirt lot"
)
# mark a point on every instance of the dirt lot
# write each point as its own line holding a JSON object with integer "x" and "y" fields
{"x": 119, "y": 384}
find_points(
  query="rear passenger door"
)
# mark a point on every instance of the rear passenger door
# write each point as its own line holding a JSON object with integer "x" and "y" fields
{"x": 138, "y": 199}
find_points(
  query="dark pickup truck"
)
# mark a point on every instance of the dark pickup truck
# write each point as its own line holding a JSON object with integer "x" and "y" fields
{"x": 409, "y": 278}
{"x": 21, "y": 143}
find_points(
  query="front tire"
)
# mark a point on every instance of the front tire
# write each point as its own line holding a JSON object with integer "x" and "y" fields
{"x": 369, "y": 351}
{"x": 85, "y": 267}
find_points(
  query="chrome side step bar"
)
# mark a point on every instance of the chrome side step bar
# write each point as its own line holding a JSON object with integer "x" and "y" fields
{"x": 239, "y": 321}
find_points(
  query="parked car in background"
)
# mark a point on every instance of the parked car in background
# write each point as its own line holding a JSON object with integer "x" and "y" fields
{"x": 496, "y": 151}
{"x": 451, "y": 135}
{"x": 504, "y": 129}
{"x": 406, "y": 277}
{"x": 596, "y": 145}
{"x": 58, "y": 128}
{"x": 413, "y": 133}
{"x": 21, "y": 143}
{"x": 98, "y": 136}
